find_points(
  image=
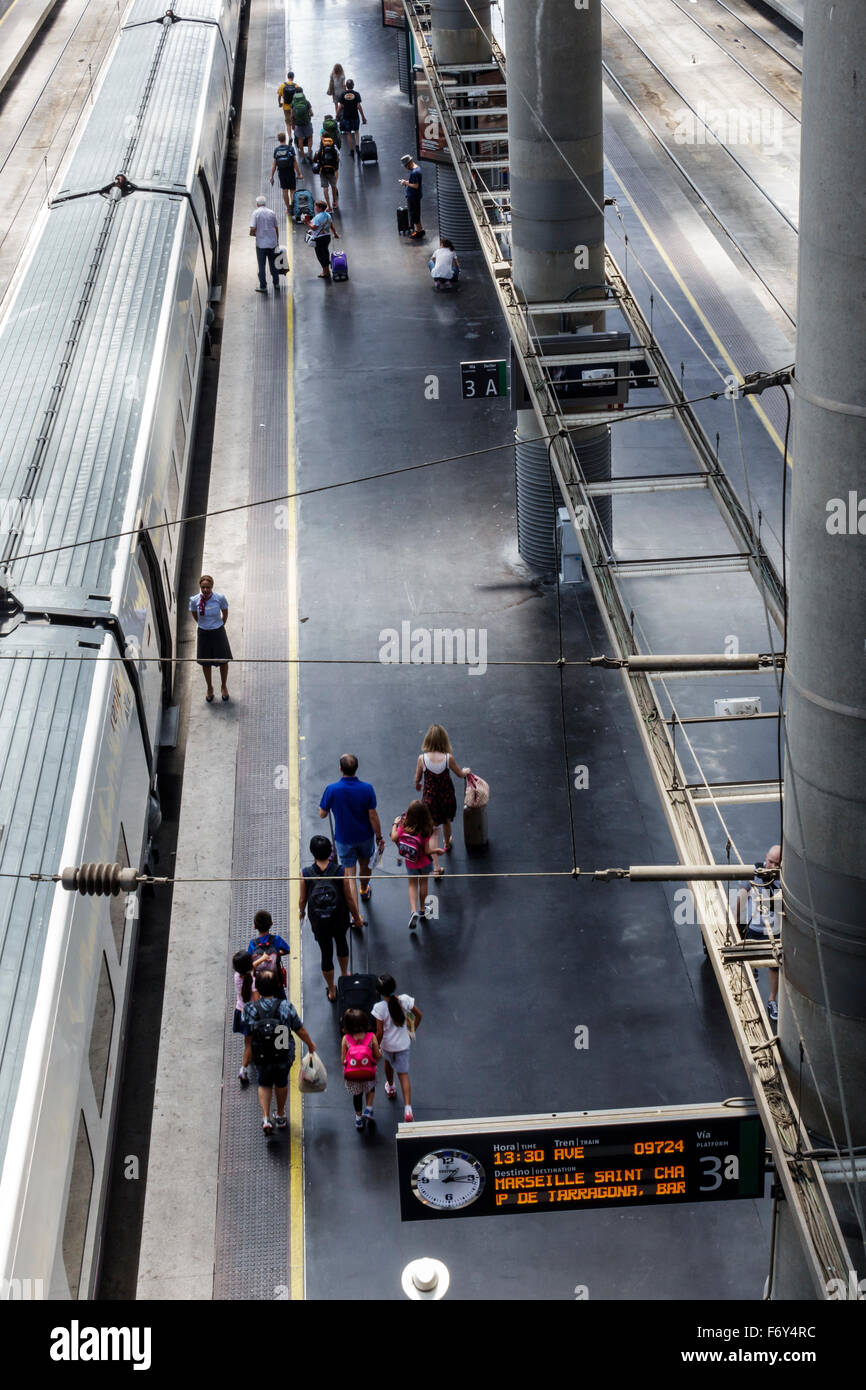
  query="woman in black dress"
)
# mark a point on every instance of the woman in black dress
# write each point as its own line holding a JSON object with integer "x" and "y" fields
{"x": 433, "y": 771}
{"x": 210, "y": 611}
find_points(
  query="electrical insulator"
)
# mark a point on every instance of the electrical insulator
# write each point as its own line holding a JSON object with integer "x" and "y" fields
{"x": 100, "y": 879}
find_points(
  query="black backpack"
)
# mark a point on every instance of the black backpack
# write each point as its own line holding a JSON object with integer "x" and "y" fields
{"x": 271, "y": 1038}
{"x": 327, "y": 156}
{"x": 323, "y": 900}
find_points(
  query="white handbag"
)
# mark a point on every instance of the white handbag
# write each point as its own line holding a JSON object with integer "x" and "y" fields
{"x": 312, "y": 1074}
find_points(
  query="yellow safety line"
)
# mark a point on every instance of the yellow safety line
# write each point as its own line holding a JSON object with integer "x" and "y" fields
{"x": 296, "y": 1136}
{"x": 723, "y": 352}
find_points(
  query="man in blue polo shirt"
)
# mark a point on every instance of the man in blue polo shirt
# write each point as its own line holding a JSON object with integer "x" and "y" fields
{"x": 356, "y": 824}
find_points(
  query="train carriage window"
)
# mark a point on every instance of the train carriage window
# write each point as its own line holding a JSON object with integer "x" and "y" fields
{"x": 191, "y": 348}
{"x": 180, "y": 441}
{"x": 117, "y": 906}
{"x": 186, "y": 388}
{"x": 209, "y": 207}
{"x": 103, "y": 1027}
{"x": 78, "y": 1209}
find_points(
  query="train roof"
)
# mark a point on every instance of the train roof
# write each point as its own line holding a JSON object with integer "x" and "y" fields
{"x": 82, "y": 484}
{"x": 146, "y": 11}
{"x": 151, "y": 151}
{"x": 43, "y": 711}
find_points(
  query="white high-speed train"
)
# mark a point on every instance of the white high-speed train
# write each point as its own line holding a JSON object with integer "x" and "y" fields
{"x": 101, "y": 344}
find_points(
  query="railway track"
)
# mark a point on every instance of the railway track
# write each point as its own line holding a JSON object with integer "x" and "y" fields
{"x": 37, "y": 130}
{"x": 739, "y": 160}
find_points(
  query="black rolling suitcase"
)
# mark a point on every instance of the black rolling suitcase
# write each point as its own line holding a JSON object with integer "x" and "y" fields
{"x": 356, "y": 992}
{"x": 403, "y": 221}
{"x": 367, "y": 150}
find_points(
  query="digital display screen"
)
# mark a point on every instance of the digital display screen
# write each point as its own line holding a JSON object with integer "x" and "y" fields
{"x": 573, "y": 1162}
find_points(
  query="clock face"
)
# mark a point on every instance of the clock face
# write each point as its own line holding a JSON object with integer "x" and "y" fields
{"x": 448, "y": 1179}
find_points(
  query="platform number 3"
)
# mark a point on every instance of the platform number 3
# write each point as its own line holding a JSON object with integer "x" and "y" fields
{"x": 712, "y": 1167}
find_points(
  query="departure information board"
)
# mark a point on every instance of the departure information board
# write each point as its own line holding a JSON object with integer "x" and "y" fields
{"x": 569, "y": 1162}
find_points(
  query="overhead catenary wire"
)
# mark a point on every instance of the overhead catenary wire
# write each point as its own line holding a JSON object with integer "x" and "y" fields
{"x": 299, "y": 493}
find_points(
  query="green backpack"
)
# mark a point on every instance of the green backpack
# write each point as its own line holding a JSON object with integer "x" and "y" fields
{"x": 332, "y": 130}
{"x": 301, "y": 111}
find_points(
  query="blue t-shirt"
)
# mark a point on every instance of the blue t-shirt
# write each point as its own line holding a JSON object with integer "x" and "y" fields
{"x": 321, "y": 224}
{"x": 414, "y": 188}
{"x": 349, "y": 800}
{"x": 270, "y": 942}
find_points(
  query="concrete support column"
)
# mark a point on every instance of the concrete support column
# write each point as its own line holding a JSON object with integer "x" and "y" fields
{"x": 553, "y": 56}
{"x": 455, "y": 33}
{"x": 824, "y": 848}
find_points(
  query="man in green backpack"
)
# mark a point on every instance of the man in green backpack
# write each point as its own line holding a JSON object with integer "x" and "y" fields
{"x": 302, "y": 120}
{"x": 332, "y": 130}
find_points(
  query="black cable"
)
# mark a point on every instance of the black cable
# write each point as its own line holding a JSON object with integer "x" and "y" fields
{"x": 347, "y": 482}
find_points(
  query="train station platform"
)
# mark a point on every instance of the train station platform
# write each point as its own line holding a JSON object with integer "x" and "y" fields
{"x": 20, "y": 22}
{"x": 331, "y": 397}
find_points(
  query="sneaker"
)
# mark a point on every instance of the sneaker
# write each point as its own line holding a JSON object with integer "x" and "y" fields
{"x": 281, "y": 1121}
{"x": 428, "y": 912}
{"x": 390, "y": 1091}
{"x": 359, "y": 1121}
{"x": 407, "y": 1114}
{"x": 367, "y": 1112}
{"x": 773, "y": 1011}
{"x": 267, "y": 1127}
{"x": 276, "y": 287}
{"x": 261, "y": 289}
{"x": 413, "y": 921}
{"x": 244, "y": 1077}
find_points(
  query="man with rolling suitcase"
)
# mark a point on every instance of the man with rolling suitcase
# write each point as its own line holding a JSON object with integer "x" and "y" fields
{"x": 287, "y": 170}
{"x": 412, "y": 183}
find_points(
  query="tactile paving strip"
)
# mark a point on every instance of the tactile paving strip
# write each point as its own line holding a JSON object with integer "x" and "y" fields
{"x": 252, "y": 1244}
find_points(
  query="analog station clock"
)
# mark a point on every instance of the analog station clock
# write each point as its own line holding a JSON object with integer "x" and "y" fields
{"x": 448, "y": 1179}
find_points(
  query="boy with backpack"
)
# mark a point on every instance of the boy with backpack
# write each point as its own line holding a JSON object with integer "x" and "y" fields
{"x": 327, "y": 161}
{"x": 266, "y": 948}
{"x": 302, "y": 121}
{"x": 326, "y": 898}
{"x": 271, "y": 1022}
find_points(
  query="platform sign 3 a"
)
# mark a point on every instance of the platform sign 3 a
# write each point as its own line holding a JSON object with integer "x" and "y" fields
{"x": 483, "y": 380}
{"x": 569, "y": 1162}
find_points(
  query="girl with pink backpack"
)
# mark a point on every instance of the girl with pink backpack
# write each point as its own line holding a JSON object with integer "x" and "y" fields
{"x": 415, "y": 836}
{"x": 360, "y": 1056}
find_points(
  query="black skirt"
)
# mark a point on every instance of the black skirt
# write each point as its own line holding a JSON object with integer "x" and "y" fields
{"x": 212, "y": 647}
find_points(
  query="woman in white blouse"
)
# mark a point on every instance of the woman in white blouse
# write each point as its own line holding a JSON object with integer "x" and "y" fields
{"x": 210, "y": 611}
{"x": 433, "y": 771}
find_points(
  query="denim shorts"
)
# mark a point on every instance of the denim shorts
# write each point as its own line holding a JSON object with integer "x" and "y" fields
{"x": 349, "y": 855}
{"x": 399, "y": 1060}
{"x": 414, "y": 872}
